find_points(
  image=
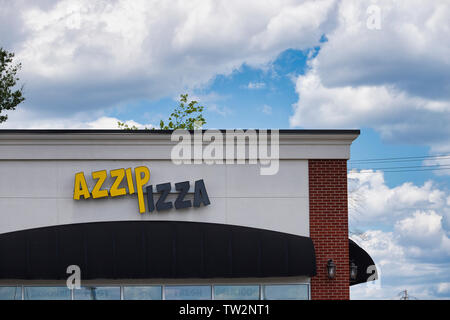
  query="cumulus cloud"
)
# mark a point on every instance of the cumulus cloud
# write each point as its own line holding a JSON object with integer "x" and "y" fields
{"x": 421, "y": 227}
{"x": 397, "y": 115}
{"x": 444, "y": 287}
{"x": 399, "y": 53}
{"x": 396, "y": 79}
{"x": 408, "y": 237}
{"x": 85, "y": 55}
{"x": 418, "y": 215}
{"x": 398, "y": 271}
{"x": 111, "y": 123}
{"x": 25, "y": 119}
{"x": 372, "y": 201}
{"x": 424, "y": 235}
{"x": 443, "y": 162}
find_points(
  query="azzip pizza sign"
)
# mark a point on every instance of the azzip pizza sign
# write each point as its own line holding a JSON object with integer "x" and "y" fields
{"x": 142, "y": 176}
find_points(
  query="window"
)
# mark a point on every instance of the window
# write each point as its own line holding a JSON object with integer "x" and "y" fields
{"x": 142, "y": 293}
{"x": 96, "y": 293}
{"x": 236, "y": 292}
{"x": 188, "y": 292}
{"x": 11, "y": 293}
{"x": 47, "y": 293}
{"x": 286, "y": 292}
{"x": 159, "y": 292}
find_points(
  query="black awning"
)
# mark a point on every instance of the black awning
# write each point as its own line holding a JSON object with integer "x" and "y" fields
{"x": 366, "y": 266}
{"x": 154, "y": 249}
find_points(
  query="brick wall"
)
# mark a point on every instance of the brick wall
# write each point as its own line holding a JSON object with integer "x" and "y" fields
{"x": 328, "y": 220}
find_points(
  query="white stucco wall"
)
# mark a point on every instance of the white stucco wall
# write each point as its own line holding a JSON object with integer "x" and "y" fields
{"x": 39, "y": 193}
{"x": 37, "y": 178}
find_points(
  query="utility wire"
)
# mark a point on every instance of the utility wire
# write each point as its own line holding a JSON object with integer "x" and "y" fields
{"x": 357, "y": 164}
{"x": 407, "y": 160}
{"x": 410, "y": 167}
{"x": 402, "y": 159}
{"x": 412, "y": 170}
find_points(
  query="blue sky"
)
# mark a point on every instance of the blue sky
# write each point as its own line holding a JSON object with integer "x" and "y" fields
{"x": 379, "y": 66}
{"x": 237, "y": 100}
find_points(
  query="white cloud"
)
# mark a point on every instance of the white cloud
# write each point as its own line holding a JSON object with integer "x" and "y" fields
{"x": 397, "y": 115}
{"x": 420, "y": 225}
{"x": 24, "y": 119}
{"x": 221, "y": 110}
{"x": 85, "y": 55}
{"x": 214, "y": 102}
{"x": 267, "y": 109}
{"x": 398, "y": 271}
{"x": 444, "y": 287}
{"x": 423, "y": 233}
{"x": 408, "y": 237}
{"x": 111, "y": 123}
{"x": 395, "y": 80}
{"x": 398, "y": 54}
{"x": 256, "y": 85}
{"x": 442, "y": 163}
{"x": 372, "y": 201}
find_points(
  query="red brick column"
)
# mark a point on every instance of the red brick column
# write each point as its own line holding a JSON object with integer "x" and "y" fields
{"x": 328, "y": 227}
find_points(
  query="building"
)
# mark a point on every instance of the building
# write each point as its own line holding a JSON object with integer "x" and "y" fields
{"x": 113, "y": 208}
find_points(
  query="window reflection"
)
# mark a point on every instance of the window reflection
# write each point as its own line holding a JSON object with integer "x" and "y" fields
{"x": 142, "y": 293}
{"x": 188, "y": 292}
{"x": 236, "y": 292}
{"x": 11, "y": 293}
{"x": 158, "y": 292}
{"x": 47, "y": 293}
{"x": 286, "y": 292}
{"x": 96, "y": 293}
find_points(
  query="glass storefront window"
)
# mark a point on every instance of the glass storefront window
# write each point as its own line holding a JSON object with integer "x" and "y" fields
{"x": 47, "y": 293}
{"x": 159, "y": 292}
{"x": 286, "y": 292}
{"x": 11, "y": 293}
{"x": 96, "y": 293}
{"x": 142, "y": 293}
{"x": 187, "y": 292}
{"x": 236, "y": 292}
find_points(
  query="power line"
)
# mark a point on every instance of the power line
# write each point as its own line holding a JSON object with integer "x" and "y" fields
{"x": 407, "y": 160}
{"x": 402, "y": 159}
{"x": 410, "y": 157}
{"x": 357, "y": 164}
{"x": 412, "y": 170}
{"x": 411, "y": 167}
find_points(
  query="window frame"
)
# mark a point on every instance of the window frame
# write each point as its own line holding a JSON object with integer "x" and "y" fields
{"x": 260, "y": 283}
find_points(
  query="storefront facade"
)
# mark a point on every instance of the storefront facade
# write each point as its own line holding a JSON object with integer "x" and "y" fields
{"x": 139, "y": 225}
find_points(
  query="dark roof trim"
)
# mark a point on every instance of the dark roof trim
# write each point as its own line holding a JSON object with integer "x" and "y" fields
{"x": 119, "y": 131}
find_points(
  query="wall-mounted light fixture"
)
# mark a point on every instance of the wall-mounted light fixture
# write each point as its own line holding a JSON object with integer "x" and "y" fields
{"x": 331, "y": 269}
{"x": 353, "y": 271}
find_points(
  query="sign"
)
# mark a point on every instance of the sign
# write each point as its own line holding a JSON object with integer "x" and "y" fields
{"x": 142, "y": 176}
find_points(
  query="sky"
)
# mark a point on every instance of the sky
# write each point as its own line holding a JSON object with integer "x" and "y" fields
{"x": 381, "y": 66}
